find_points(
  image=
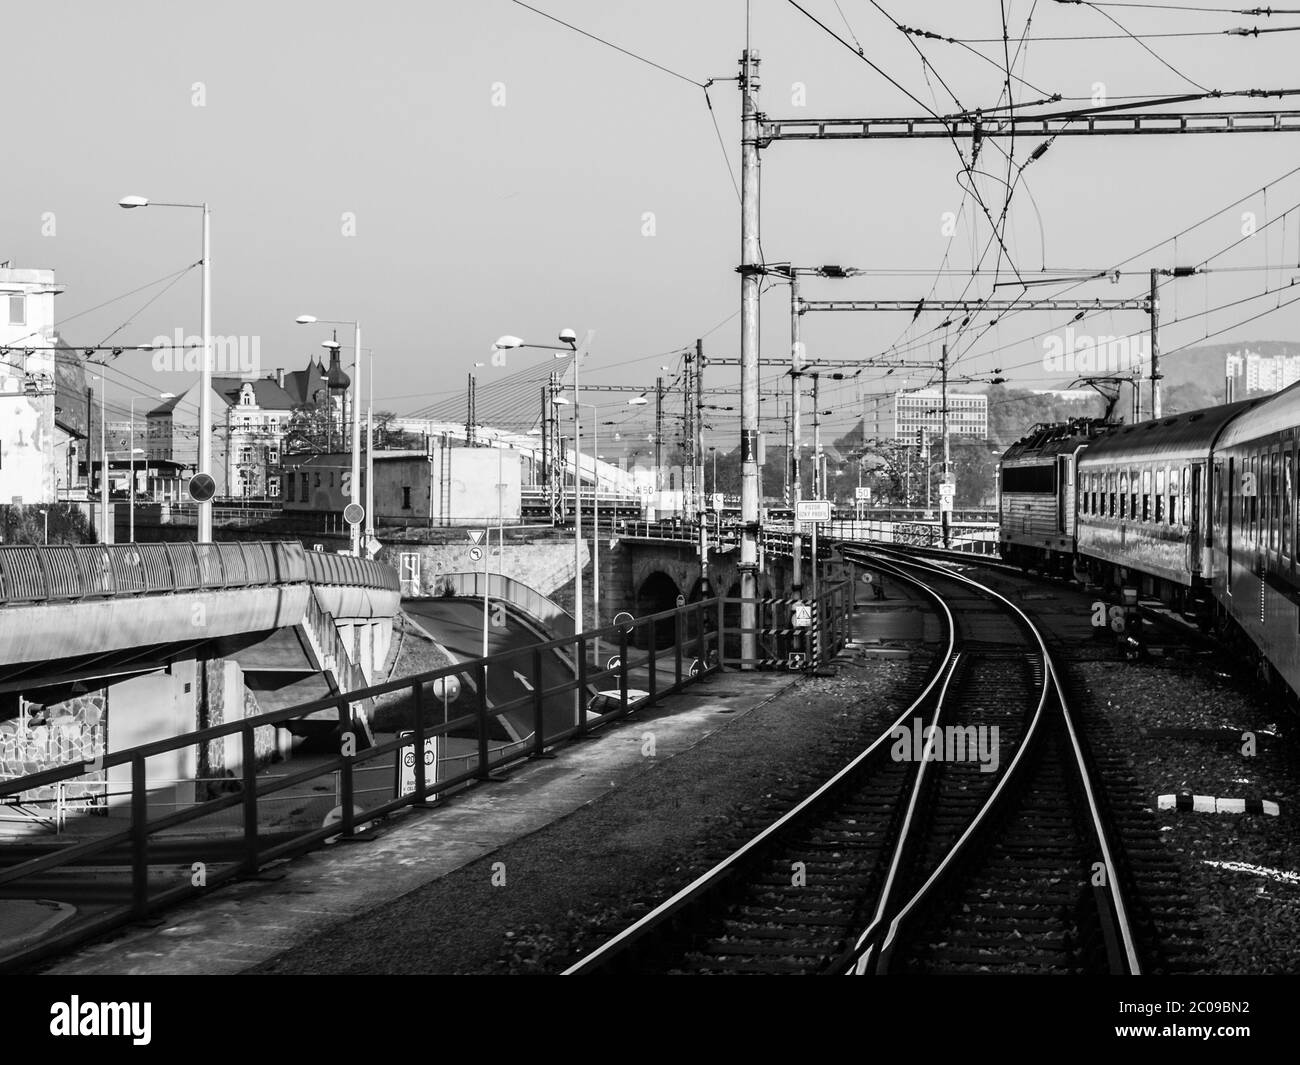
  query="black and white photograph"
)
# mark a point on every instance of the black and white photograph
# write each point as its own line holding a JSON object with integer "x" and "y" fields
{"x": 593, "y": 488}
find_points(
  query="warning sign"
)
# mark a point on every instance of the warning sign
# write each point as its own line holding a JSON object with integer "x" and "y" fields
{"x": 801, "y": 617}
{"x": 406, "y": 764}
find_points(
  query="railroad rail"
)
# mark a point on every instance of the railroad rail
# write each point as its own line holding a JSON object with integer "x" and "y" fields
{"x": 892, "y": 845}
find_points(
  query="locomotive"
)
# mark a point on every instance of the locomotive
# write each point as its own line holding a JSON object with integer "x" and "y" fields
{"x": 1196, "y": 509}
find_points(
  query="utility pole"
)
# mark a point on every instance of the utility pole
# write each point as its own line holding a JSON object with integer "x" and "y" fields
{"x": 945, "y": 515}
{"x": 469, "y": 413}
{"x": 659, "y": 436}
{"x": 688, "y": 437}
{"x": 796, "y": 401}
{"x": 819, "y": 485}
{"x": 698, "y": 472}
{"x": 750, "y": 275}
{"x": 1155, "y": 346}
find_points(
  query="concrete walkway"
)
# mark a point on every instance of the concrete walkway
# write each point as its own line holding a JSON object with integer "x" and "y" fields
{"x": 243, "y": 924}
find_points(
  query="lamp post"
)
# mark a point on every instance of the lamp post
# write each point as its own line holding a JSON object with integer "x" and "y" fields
{"x": 204, "y": 458}
{"x": 569, "y": 339}
{"x": 355, "y": 487}
{"x": 595, "y": 517}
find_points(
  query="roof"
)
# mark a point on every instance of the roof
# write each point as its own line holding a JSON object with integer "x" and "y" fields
{"x": 70, "y": 413}
{"x": 1045, "y": 441}
{"x": 1265, "y": 416}
{"x": 1180, "y": 436}
{"x": 266, "y": 391}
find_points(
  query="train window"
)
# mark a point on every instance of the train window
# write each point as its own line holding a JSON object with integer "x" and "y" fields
{"x": 1110, "y": 483}
{"x": 1253, "y": 501}
{"x": 1160, "y": 495}
{"x": 1288, "y": 500}
{"x": 1146, "y": 495}
{"x": 1187, "y": 491}
{"x": 1123, "y": 495}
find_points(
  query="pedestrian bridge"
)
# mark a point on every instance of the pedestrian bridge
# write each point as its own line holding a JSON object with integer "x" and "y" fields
{"x": 106, "y": 646}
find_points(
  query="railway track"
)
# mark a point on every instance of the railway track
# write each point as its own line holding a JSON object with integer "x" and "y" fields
{"x": 876, "y": 869}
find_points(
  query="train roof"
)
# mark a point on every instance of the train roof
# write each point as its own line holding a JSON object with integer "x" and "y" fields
{"x": 1180, "y": 436}
{"x": 1269, "y": 415}
{"x": 1045, "y": 441}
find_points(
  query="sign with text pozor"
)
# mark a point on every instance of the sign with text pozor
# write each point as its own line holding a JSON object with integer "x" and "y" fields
{"x": 406, "y": 764}
{"x": 812, "y": 510}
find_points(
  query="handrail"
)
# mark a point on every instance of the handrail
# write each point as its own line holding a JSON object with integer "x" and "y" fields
{"x": 34, "y": 573}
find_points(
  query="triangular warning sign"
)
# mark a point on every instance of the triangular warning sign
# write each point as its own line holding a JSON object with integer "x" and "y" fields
{"x": 475, "y": 535}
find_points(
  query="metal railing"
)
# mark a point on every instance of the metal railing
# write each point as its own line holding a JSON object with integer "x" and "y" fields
{"x": 694, "y": 650}
{"x": 499, "y": 586}
{"x": 32, "y": 573}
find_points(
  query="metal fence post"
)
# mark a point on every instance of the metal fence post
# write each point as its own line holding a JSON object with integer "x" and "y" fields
{"x": 139, "y": 838}
{"x": 250, "y": 800}
{"x": 580, "y": 649}
{"x": 539, "y": 725}
{"x": 417, "y": 736}
{"x": 346, "y": 738}
{"x": 622, "y": 665}
{"x": 677, "y": 646}
{"x": 483, "y": 768}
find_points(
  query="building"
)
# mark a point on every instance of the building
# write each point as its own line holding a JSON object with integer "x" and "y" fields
{"x": 1250, "y": 372}
{"x": 30, "y": 451}
{"x": 443, "y": 486}
{"x": 255, "y": 421}
{"x": 922, "y": 410}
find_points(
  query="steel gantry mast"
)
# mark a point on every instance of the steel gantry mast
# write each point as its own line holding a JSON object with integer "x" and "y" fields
{"x": 751, "y": 273}
{"x": 759, "y": 131}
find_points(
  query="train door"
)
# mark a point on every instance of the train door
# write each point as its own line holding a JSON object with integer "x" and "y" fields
{"x": 1194, "y": 528}
{"x": 1229, "y": 521}
{"x": 1063, "y": 481}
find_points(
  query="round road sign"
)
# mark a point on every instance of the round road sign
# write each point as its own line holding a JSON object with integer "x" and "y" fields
{"x": 681, "y": 600}
{"x": 447, "y": 688}
{"x": 614, "y": 662}
{"x": 353, "y": 513}
{"x": 476, "y": 554}
{"x": 867, "y": 578}
{"x": 202, "y": 487}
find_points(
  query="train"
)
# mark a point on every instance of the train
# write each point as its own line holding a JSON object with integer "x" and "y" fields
{"x": 1196, "y": 509}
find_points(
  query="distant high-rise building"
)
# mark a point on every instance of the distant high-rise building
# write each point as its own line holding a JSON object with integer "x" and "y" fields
{"x": 1250, "y": 372}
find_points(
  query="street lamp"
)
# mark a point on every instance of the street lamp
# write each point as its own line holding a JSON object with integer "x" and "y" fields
{"x": 355, "y": 487}
{"x": 204, "y": 458}
{"x": 138, "y": 451}
{"x": 569, "y": 339}
{"x": 595, "y": 514}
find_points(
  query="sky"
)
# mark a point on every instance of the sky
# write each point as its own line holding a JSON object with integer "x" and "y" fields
{"x": 448, "y": 172}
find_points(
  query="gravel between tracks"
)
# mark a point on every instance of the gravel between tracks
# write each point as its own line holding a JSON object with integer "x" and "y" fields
{"x": 574, "y": 883}
{"x": 1251, "y": 920}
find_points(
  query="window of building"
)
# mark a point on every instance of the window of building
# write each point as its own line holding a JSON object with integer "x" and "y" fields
{"x": 273, "y": 486}
{"x": 288, "y": 488}
{"x": 406, "y": 497}
{"x": 318, "y": 479}
{"x": 303, "y": 486}
{"x": 17, "y": 310}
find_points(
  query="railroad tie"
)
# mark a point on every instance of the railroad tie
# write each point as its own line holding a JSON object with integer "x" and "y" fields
{"x": 1209, "y": 804}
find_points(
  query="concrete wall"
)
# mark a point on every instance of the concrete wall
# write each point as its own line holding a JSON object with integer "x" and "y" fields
{"x": 546, "y": 566}
{"x": 39, "y": 737}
